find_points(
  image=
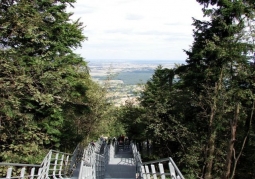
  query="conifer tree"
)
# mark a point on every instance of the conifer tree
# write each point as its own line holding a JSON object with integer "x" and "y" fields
{"x": 39, "y": 75}
{"x": 219, "y": 76}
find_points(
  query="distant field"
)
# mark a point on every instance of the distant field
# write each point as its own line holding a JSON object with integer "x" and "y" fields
{"x": 135, "y": 77}
{"x": 124, "y": 75}
{"x": 131, "y": 77}
{"x": 131, "y": 72}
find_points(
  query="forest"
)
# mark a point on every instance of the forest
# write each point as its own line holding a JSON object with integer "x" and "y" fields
{"x": 204, "y": 120}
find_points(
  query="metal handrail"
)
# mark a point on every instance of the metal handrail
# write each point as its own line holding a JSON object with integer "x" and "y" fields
{"x": 143, "y": 171}
{"x": 61, "y": 152}
{"x": 92, "y": 164}
{"x": 176, "y": 168}
{"x": 92, "y": 160}
{"x": 156, "y": 161}
{"x": 19, "y": 164}
{"x": 54, "y": 164}
{"x": 173, "y": 169}
{"x": 34, "y": 170}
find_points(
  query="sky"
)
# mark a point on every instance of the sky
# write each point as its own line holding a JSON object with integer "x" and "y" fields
{"x": 136, "y": 29}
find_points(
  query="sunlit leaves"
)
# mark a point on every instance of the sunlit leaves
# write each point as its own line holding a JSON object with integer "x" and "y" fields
{"x": 39, "y": 73}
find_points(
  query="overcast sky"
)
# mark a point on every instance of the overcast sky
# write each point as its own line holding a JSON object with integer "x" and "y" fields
{"x": 136, "y": 29}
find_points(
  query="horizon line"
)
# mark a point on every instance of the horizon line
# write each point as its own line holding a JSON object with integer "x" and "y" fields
{"x": 135, "y": 59}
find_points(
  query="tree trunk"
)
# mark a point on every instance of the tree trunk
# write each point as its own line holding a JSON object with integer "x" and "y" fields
{"x": 212, "y": 131}
{"x": 244, "y": 142}
{"x": 232, "y": 140}
{"x": 211, "y": 143}
{"x": 210, "y": 157}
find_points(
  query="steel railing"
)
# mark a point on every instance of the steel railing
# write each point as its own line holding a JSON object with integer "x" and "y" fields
{"x": 20, "y": 170}
{"x": 93, "y": 162}
{"x": 161, "y": 168}
{"x": 157, "y": 168}
{"x": 60, "y": 165}
{"x": 55, "y": 165}
{"x": 88, "y": 163}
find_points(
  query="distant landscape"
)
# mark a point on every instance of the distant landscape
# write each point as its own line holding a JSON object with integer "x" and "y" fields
{"x": 125, "y": 76}
{"x": 131, "y": 77}
{"x": 131, "y": 72}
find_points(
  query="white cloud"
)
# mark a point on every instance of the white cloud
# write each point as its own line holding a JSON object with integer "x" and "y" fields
{"x": 134, "y": 17}
{"x": 120, "y": 31}
{"x": 136, "y": 29}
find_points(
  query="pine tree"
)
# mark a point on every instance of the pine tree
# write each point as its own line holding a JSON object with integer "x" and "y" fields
{"x": 40, "y": 75}
{"x": 219, "y": 76}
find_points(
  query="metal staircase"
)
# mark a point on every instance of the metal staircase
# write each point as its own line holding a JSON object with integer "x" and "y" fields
{"x": 121, "y": 163}
{"x": 96, "y": 161}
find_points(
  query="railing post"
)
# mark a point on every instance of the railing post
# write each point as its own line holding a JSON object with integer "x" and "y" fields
{"x": 93, "y": 158}
{"x": 172, "y": 171}
{"x": 44, "y": 174}
{"x": 81, "y": 170}
{"x": 153, "y": 171}
{"x": 61, "y": 166}
{"x": 147, "y": 171}
{"x": 32, "y": 173}
{"x": 22, "y": 172}
{"x": 143, "y": 173}
{"x": 139, "y": 170}
{"x": 66, "y": 165}
{"x": 82, "y": 163}
{"x": 161, "y": 171}
{"x": 55, "y": 165}
{"x": 9, "y": 173}
{"x": 39, "y": 172}
{"x": 176, "y": 168}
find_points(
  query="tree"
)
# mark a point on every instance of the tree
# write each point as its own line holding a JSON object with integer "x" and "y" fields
{"x": 130, "y": 116}
{"x": 39, "y": 73}
{"x": 213, "y": 99}
{"x": 163, "y": 113}
{"x": 219, "y": 76}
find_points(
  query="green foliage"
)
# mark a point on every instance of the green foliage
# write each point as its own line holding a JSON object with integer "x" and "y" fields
{"x": 131, "y": 118}
{"x": 218, "y": 75}
{"x": 205, "y": 119}
{"x": 41, "y": 80}
{"x": 164, "y": 113}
